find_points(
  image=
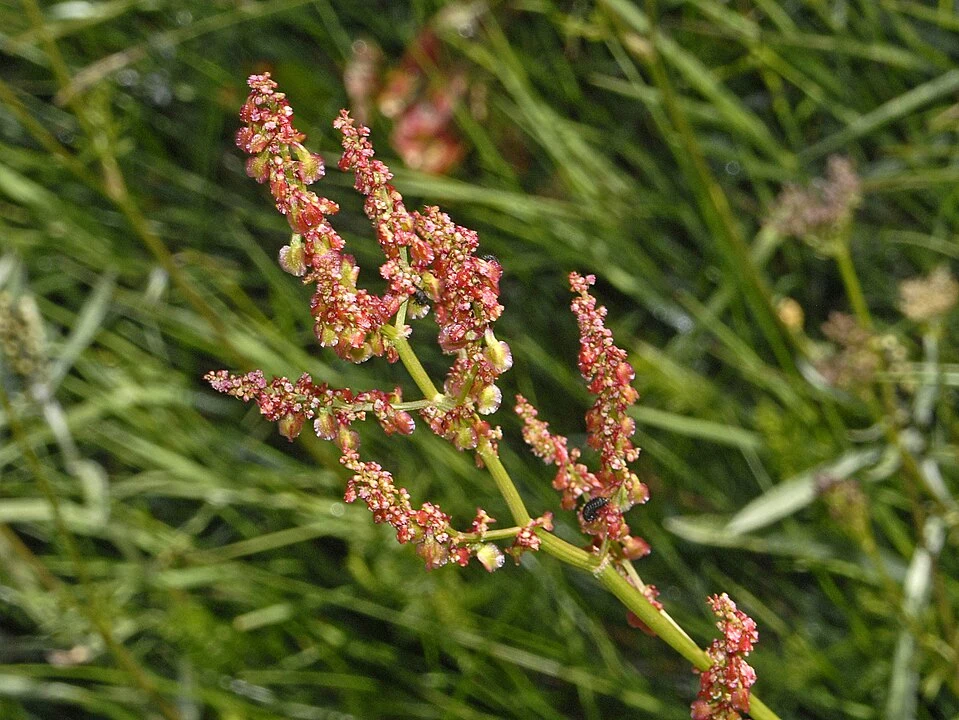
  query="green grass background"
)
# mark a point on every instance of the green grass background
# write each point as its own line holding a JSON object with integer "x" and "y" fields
{"x": 644, "y": 143}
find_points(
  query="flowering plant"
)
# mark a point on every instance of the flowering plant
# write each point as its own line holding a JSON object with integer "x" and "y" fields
{"x": 432, "y": 263}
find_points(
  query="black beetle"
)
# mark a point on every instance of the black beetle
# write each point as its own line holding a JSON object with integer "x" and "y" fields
{"x": 592, "y": 507}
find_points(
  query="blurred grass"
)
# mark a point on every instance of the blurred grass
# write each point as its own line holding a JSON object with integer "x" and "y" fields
{"x": 641, "y": 143}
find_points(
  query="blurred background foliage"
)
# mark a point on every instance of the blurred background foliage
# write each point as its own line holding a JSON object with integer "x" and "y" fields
{"x": 164, "y": 553}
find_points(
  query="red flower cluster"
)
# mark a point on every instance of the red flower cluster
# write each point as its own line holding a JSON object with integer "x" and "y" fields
{"x": 333, "y": 411}
{"x": 425, "y": 253}
{"x": 428, "y": 527}
{"x": 724, "y": 687}
{"x": 527, "y": 539}
{"x": 465, "y": 291}
{"x": 573, "y": 477}
{"x": 429, "y": 260}
{"x": 347, "y": 318}
{"x": 609, "y": 428}
{"x": 604, "y": 367}
{"x": 291, "y": 404}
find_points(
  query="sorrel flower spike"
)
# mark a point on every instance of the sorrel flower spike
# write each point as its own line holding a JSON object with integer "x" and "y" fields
{"x": 428, "y": 261}
{"x": 609, "y": 428}
{"x": 347, "y": 318}
{"x": 431, "y": 263}
{"x": 724, "y": 688}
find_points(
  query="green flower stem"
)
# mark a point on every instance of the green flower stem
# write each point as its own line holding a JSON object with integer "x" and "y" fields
{"x": 658, "y": 621}
{"x": 500, "y": 476}
{"x": 653, "y": 618}
{"x": 853, "y": 288}
{"x": 504, "y": 483}
{"x": 501, "y": 534}
{"x": 413, "y": 366}
{"x": 916, "y": 481}
{"x": 368, "y": 407}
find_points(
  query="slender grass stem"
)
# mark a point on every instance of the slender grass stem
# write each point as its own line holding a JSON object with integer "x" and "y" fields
{"x": 112, "y": 183}
{"x": 884, "y": 408}
{"x": 90, "y": 607}
{"x": 853, "y": 287}
{"x": 719, "y": 215}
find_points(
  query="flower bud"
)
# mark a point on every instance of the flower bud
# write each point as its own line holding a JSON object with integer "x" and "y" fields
{"x": 256, "y": 167}
{"x": 497, "y": 353}
{"x": 377, "y": 343}
{"x": 635, "y": 548}
{"x": 636, "y": 491}
{"x": 347, "y": 439}
{"x": 452, "y": 337}
{"x": 279, "y": 187}
{"x": 326, "y": 335}
{"x": 308, "y": 219}
{"x": 311, "y": 166}
{"x": 361, "y": 354}
{"x": 290, "y": 425}
{"x": 489, "y": 400}
{"x": 403, "y": 423}
{"x": 293, "y": 257}
{"x": 465, "y": 438}
{"x": 790, "y": 314}
{"x": 625, "y": 373}
{"x": 420, "y": 251}
{"x": 701, "y": 710}
{"x": 491, "y": 557}
{"x": 435, "y": 554}
{"x": 325, "y": 425}
{"x": 740, "y": 699}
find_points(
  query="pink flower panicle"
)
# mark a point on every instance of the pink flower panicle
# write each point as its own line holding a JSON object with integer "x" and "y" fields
{"x": 429, "y": 260}
{"x": 347, "y": 318}
{"x": 465, "y": 292}
{"x": 573, "y": 478}
{"x": 464, "y": 287}
{"x": 425, "y": 253}
{"x": 609, "y": 428}
{"x": 384, "y": 207}
{"x": 427, "y": 527}
{"x": 333, "y": 411}
{"x": 608, "y": 374}
{"x": 724, "y": 687}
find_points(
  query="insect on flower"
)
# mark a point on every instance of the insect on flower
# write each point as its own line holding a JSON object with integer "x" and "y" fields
{"x": 419, "y": 305}
{"x": 592, "y": 507}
